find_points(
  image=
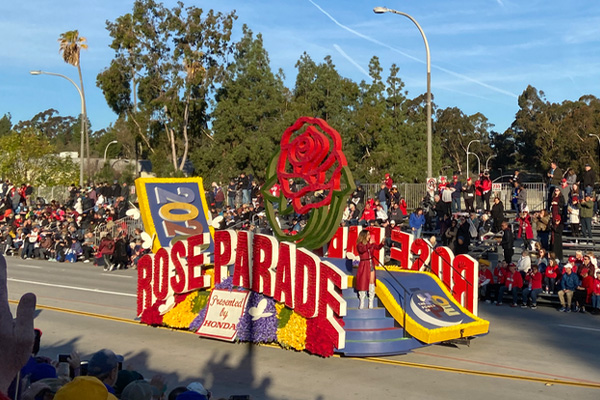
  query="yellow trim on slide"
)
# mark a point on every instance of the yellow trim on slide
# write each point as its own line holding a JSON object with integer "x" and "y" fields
{"x": 477, "y": 327}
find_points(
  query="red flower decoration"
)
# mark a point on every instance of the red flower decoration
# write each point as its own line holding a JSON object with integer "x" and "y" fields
{"x": 311, "y": 151}
{"x": 151, "y": 315}
{"x": 320, "y": 336}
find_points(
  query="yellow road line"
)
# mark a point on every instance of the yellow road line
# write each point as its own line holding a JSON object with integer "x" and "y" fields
{"x": 364, "y": 359}
{"x": 480, "y": 373}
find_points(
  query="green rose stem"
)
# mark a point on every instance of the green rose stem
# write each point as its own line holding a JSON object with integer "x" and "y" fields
{"x": 322, "y": 223}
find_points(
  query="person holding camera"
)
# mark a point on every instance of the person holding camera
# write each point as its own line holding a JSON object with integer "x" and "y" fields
{"x": 533, "y": 281}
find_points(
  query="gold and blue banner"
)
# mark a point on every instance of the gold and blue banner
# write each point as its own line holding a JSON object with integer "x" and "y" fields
{"x": 173, "y": 209}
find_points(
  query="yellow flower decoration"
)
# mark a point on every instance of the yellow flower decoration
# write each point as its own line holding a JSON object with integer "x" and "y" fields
{"x": 181, "y": 316}
{"x": 293, "y": 335}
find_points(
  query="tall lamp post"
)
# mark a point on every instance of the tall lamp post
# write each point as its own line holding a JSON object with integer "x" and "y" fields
{"x": 106, "y": 149}
{"x": 488, "y": 160}
{"x": 38, "y": 72}
{"x": 382, "y": 10}
{"x": 478, "y": 163}
{"x": 469, "y": 145}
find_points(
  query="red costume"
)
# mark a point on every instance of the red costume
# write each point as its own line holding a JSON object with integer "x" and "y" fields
{"x": 525, "y": 224}
{"x": 366, "y": 253}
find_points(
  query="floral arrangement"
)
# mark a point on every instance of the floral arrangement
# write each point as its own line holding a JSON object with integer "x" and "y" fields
{"x": 262, "y": 329}
{"x": 181, "y": 316}
{"x": 152, "y": 316}
{"x": 291, "y": 333}
{"x": 264, "y": 321}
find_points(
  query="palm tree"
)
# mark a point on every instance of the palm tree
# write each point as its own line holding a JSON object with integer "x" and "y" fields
{"x": 70, "y": 45}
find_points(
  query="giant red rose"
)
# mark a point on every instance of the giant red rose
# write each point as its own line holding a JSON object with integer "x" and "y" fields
{"x": 311, "y": 157}
{"x": 309, "y": 176}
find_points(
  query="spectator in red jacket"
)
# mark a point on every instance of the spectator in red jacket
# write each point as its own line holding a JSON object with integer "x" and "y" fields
{"x": 533, "y": 280}
{"x": 388, "y": 181}
{"x": 368, "y": 215}
{"x": 499, "y": 274}
{"x": 403, "y": 206}
{"x": 583, "y": 293}
{"x": 486, "y": 280}
{"x": 512, "y": 283}
{"x": 525, "y": 229}
{"x": 550, "y": 274}
{"x": 596, "y": 294}
{"x": 106, "y": 250}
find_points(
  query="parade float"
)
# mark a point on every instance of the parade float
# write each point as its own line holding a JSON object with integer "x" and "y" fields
{"x": 295, "y": 288}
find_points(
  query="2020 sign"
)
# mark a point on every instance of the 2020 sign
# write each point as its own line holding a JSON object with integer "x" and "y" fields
{"x": 173, "y": 208}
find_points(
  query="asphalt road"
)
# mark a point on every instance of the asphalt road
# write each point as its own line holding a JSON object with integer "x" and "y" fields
{"x": 541, "y": 354}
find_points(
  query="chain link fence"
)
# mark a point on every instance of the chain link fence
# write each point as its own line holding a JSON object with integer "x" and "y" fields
{"x": 413, "y": 193}
{"x": 58, "y": 193}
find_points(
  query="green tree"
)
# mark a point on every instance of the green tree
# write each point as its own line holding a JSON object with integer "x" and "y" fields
{"x": 456, "y": 130}
{"x": 174, "y": 59}
{"x": 5, "y": 124}
{"x": 59, "y": 129}
{"x": 248, "y": 116}
{"x": 28, "y": 157}
{"x": 370, "y": 124}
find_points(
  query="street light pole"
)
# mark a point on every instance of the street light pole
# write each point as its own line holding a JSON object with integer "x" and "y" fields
{"x": 488, "y": 159}
{"x": 38, "y": 72}
{"x": 381, "y": 10}
{"x": 472, "y": 141}
{"x": 106, "y": 149}
{"x": 478, "y": 163}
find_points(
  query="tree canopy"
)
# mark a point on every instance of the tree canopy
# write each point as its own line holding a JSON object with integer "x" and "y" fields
{"x": 183, "y": 91}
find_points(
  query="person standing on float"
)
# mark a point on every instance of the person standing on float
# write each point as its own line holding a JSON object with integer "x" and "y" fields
{"x": 365, "y": 276}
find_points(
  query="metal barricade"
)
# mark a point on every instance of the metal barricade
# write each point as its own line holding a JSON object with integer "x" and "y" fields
{"x": 537, "y": 193}
{"x": 129, "y": 224}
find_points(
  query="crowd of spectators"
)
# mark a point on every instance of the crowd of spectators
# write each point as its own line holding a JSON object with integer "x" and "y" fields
{"x": 31, "y": 227}
{"x": 577, "y": 282}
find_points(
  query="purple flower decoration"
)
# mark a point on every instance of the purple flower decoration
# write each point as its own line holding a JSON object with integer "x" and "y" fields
{"x": 263, "y": 329}
{"x": 227, "y": 284}
{"x": 199, "y": 320}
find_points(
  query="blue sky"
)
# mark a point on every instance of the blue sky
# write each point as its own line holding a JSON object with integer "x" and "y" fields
{"x": 484, "y": 53}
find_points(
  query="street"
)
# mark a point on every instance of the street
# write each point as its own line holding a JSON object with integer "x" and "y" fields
{"x": 538, "y": 354}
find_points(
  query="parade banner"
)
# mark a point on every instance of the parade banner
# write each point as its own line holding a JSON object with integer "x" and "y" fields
{"x": 223, "y": 313}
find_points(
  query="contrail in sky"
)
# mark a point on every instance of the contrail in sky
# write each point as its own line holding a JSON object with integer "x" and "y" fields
{"x": 370, "y": 39}
{"x": 347, "y": 57}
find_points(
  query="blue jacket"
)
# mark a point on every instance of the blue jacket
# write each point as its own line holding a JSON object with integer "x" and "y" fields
{"x": 416, "y": 221}
{"x": 458, "y": 187}
{"x": 569, "y": 282}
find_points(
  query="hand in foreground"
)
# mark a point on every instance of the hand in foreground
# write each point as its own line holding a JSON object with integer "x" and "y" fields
{"x": 75, "y": 361}
{"x": 16, "y": 335}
